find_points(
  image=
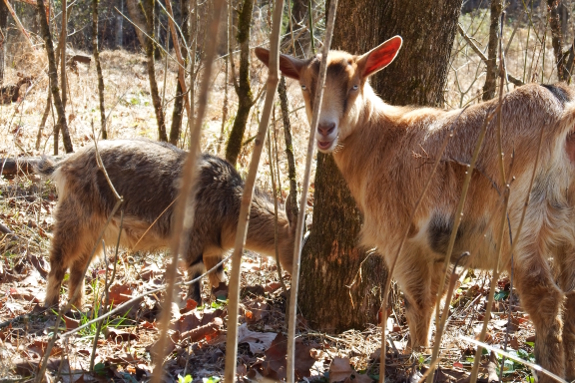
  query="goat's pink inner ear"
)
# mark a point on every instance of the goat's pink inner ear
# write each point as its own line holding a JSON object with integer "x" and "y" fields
{"x": 381, "y": 56}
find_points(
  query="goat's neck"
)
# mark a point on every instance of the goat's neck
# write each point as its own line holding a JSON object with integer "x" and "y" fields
{"x": 374, "y": 130}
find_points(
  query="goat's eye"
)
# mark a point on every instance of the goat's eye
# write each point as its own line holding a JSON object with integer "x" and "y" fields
{"x": 355, "y": 87}
{"x": 303, "y": 87}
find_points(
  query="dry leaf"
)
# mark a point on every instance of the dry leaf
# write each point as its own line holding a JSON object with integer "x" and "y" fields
{"x": 39, "y": 347}
{"x": 117, "y": 334}
{"x": 120, "y": 294}
{"x": 340, "y": 371}
{"x": 71, "y": 323}
{"x": 258, "y": 342}
{"x": 208, "y": 331}
{"x": 25, "y": 294}
{"x": 274, "y": 365}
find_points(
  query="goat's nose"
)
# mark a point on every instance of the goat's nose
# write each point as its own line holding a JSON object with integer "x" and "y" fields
{"x": 325, "y": 129}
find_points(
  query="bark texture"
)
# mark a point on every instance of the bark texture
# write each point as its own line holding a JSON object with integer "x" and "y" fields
{"x": 63, "y": 38}
{"x": 331, "y": 259}
{"x": 243, "y": 89}
{"x": 149, "y": 9}
{"x": 428, "y": 28}
{"x": 557, "y": 38}
{"x": 178, "y": 113}
{"x": 491, "y": 71}
{"x": 137, "y": 17}
{"x": 293, "y": 192}
{"x": 61, "y": 125}
{"x": 96, "y": 53}
{"x": 3, "y": 25}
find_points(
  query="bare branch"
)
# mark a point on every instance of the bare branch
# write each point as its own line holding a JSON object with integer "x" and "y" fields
{"x": 511, "y": 78}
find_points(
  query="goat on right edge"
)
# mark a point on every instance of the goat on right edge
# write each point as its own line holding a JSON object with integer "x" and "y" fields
{"x": 386, "y": 155}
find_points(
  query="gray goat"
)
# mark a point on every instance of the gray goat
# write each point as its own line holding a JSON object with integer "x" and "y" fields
{"x": 147, "y": 175}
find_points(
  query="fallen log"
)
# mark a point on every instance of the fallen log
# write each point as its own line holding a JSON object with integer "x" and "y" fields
{"x": 17, "y": 166}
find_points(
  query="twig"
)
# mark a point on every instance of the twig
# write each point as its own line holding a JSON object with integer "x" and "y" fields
{"x": 226, "y": 81}
{"x": 19, "y": 24}
{"x": 318, "y": 97}
{"x": 148, "y": 36}
{"x": 63, "y": 35}
{"x": 177, "y": 49}
{"x": 242, "y": 228}
{"x": 121, "y": 307}
{"x": 68, "y": 306}
{"x": 179, "y": 241}
{"x": 483, "y": 58}
{"x": 275, "y": 196}
{"x": 107, "y": 284}
{"x": 505, "y": 185}
{"x": 465, "y": 188}
{"x": 5, "y": 229}
{"x": 534, "y": 366}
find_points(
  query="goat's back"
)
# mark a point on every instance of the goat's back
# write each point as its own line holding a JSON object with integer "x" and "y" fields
{"x": 147, "y": 176}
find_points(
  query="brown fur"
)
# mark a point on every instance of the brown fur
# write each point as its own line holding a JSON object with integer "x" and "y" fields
{"x": 147, "y": 175}
{"x": 386, "y": 154}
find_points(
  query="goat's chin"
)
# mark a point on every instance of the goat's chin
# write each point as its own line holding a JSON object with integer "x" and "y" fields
{"x": 327, "y": 146}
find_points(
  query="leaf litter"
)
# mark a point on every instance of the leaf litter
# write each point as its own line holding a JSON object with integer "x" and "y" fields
{"x": 197, "y": 340}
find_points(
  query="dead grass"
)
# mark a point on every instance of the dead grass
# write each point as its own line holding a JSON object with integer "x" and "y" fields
{"x": 26, "y": 206}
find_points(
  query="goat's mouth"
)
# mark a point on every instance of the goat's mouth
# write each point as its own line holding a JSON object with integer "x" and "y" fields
{"x": 325, "y": 145}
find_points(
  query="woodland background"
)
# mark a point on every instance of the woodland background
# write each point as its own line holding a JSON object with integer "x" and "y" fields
{"x": 49, "y": 108}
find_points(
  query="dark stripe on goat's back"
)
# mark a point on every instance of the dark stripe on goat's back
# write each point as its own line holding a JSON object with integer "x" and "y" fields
{"x": 559, "y": 92}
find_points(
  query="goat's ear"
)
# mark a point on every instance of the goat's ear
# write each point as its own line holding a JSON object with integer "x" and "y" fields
{"x": 380, "y": 57}
{"x": 289, "y": 66}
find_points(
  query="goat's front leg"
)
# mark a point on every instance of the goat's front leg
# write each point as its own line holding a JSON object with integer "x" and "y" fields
{"x": 569, "y": 336}
{"x": 415, "y": 279}
{"x": 543, "y": 301}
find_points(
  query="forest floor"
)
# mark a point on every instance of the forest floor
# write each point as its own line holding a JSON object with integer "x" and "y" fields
{"x": 124, "y": 347}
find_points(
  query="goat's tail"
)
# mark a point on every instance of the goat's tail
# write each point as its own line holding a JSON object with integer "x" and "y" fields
{"x": 45, "y": 166}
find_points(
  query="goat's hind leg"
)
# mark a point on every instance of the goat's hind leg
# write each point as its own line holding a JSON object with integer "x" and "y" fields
{"x": 64, "y": 249}
{"x": 212, "y": 257}
{"x": 195, "y": 271}
{"x": 543, "y": 301}
{"x": 86, "y": 246}
{"x": 566, "y": 279}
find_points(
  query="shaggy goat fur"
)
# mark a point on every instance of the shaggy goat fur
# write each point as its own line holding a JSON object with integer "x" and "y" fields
{"x": 147, "y": 175}
{"x": 386, "y": 154}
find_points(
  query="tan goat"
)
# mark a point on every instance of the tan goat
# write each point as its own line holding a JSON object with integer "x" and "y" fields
{"x": 386, "y": 154}
{"x": 147, "y": 175}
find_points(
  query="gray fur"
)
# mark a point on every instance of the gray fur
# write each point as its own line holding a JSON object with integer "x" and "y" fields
{"x": 147, "y": 175}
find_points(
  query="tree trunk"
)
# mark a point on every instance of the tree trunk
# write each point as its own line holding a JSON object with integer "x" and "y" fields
{"x": 331, "y": 259}
{"x": 178, "y": 112}
{"x": 243, "y": 90}
{"x": 299, "y": 48}
{"x": 63, "y": 38}
{"x": 491, "y": 71}
{"x": 103, "y": 130}
{"x": 149, "y": 8}
{"x": 120, "y": 26}
{"x": 557, "y": 38}
{"x": 3, "y": 25}
{"x": 137, "y": 17}
{"x": 292, "y": 203}
{"x": 61, "y": 125}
